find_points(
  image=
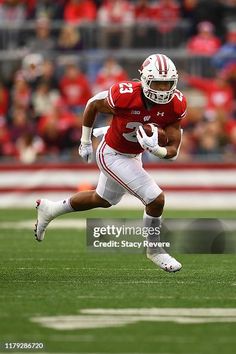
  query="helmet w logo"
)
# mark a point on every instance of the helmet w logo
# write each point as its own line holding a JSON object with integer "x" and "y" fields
{"x": 161, "y": 64}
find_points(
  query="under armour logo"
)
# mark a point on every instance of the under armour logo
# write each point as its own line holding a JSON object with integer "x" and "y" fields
{"x": 146, "y": 118}
{"x": 160, "y": 114}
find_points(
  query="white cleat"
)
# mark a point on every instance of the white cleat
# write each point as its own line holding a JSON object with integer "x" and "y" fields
{"x": 165, "y": 262}
{"x": 43, "y": 219}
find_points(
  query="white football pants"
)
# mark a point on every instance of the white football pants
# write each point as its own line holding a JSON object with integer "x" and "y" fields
{"x": 121, "y": 173}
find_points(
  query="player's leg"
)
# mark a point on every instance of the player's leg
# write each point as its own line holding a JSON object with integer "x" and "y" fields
{"x": 156, "y": 253}
{"x": 152, "y": 218}
{"x": 108, "y": 193}
{"x": 131, "y": 175}
{"x": 87, "y": 200}
{"x": 49, "y": 210}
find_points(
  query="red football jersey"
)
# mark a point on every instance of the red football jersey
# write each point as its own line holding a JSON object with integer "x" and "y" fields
{"x": 130, "y": 112}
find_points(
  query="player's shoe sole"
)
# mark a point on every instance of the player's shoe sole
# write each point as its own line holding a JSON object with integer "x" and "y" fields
{"x": 165, "y": 262}
{"x": 43, "y": 219}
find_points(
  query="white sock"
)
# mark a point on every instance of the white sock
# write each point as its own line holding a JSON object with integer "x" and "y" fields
{"x": 154, "y": 222}
{"x": 61, "y": 207}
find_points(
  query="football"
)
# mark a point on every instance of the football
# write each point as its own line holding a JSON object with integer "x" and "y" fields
{"x": 162, "y": 138}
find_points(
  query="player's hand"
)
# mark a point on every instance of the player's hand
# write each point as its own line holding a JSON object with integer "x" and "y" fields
{"x": 147, "y": 142}
{"x": 86, "y": 152}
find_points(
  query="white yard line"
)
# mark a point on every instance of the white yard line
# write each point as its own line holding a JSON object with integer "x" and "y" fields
{"x": 213, "y": 312}
{"x": 102, "y": 318}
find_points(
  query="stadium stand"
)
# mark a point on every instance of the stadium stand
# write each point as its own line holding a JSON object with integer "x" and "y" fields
{"x": 42, "y": 42}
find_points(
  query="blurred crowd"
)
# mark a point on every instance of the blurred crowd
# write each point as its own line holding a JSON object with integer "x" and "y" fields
{"x": 42, "y": 101}
{"x": 41, "y": 110}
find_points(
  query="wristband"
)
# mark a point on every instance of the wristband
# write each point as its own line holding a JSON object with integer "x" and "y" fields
{"x": 86, "y": 135}
{"x": 159, "y": 151}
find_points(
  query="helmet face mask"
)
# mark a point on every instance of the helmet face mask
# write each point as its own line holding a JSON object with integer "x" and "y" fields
{"x": 156, "y": 70}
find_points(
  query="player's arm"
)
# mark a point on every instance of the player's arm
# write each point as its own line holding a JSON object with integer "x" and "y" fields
{"x": 93, "y": 107}
{"x": 96, "y": 104}
{"x": 150, "y": 143}
{"x": 174, "y": 135}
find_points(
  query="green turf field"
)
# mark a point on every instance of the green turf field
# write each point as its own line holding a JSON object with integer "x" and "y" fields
{"x": 59, "y": 277}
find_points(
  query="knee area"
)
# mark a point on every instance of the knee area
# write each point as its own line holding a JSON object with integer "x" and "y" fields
{"x": 106, "y": 204}
{"x": 158, "y": 203}
{"x": 102, "y": 202}
{"x": 161, "y": 199}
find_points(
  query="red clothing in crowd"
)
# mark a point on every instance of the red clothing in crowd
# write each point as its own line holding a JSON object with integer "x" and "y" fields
{"x": 21, "y": 94}
{"x": 116, "y": 12}
{"x": 104, "y": 82}
{"x": 167, "y": 13}
{"x": 4, "y": 98}
{"x": 218, "y": 96}
{"x": 229, "y": 74}
{"x": 30, "y": 4}
{"x": 6, "y": 146}
{"x": 57, "y": 129}
{"x": 57, "y": 122}
{"x": 76, "y": 91}
{"x": 204, "y": 45}
{"x": 108, "y": 76}
{"x": 143, "y": 12}
{"x": 75, "y": 13}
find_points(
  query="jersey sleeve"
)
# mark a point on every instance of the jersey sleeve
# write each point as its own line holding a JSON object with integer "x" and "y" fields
{"x": 183, "y": 111}
{"x": 180, "y": 105}
{"x": 120, "y": 95}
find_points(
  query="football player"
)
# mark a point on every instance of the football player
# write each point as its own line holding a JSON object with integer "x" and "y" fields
{"x": 154, "y": 99}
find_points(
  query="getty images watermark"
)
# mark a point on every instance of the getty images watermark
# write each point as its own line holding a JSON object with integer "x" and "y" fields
{"x": 122, "y": 234}
{"x": 176, "y": 235}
